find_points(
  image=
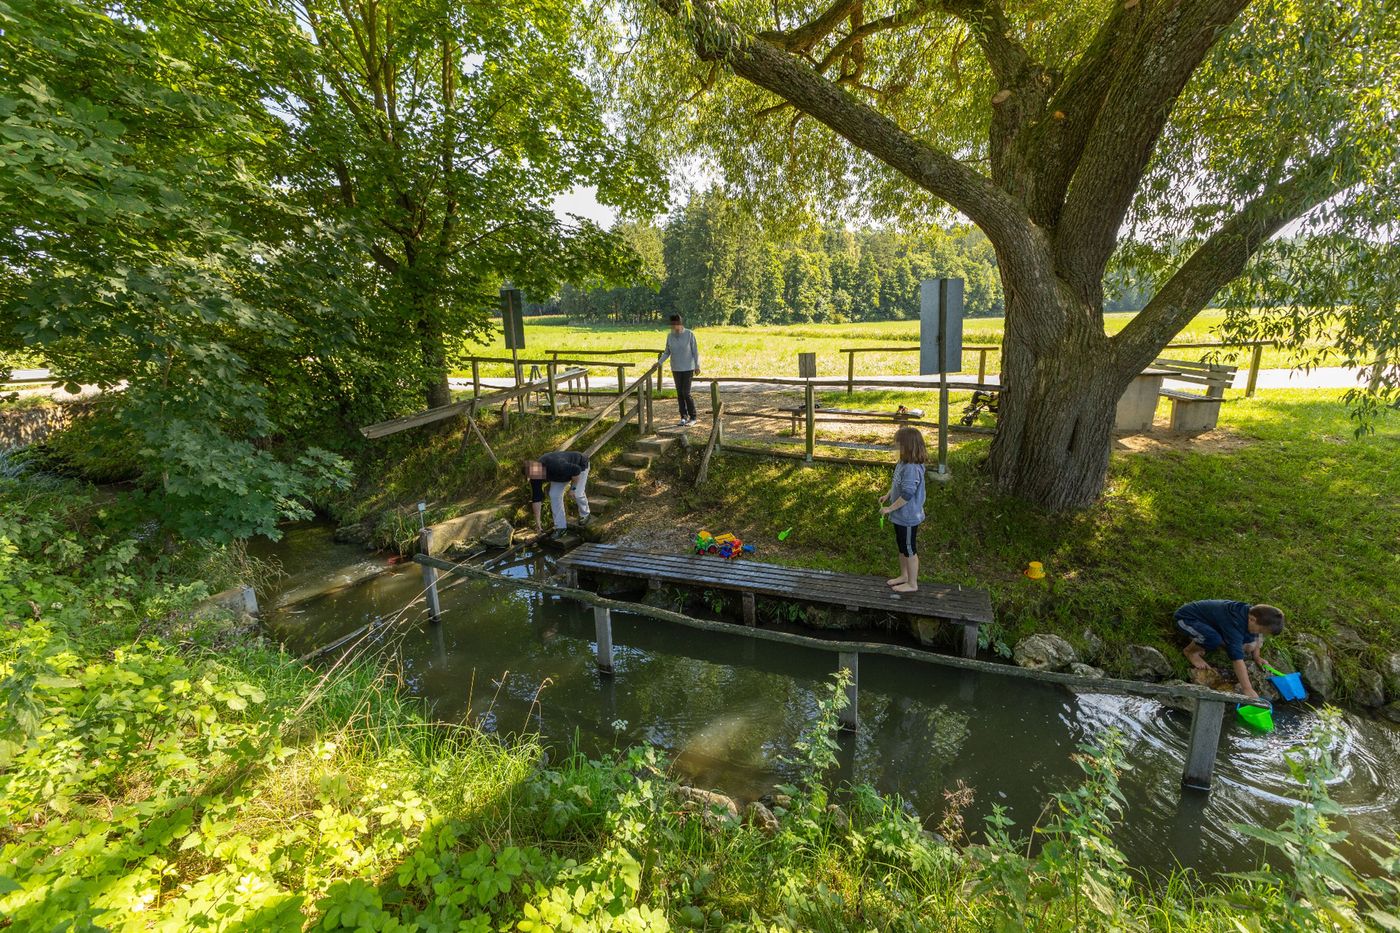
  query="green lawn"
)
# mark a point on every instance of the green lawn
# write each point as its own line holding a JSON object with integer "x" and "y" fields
{"x": 772, "y": 350}
{"x": 1292, "y": 510}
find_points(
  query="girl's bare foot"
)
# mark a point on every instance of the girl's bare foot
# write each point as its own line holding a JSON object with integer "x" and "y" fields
{"x": 907, "y": 588}
{"x": 896, "y": 581}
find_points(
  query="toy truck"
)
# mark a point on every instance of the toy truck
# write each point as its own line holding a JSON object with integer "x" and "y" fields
{"x": 726, "y": 545}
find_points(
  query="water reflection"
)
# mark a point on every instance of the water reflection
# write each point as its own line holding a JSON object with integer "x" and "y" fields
{"x": 728, "y": 711}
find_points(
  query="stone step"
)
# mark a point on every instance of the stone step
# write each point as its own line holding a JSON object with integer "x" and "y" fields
{"x": 654, "y": 445}
{"x": 635, "y": 458}
{"x": 599, "y": 503}
{"x": 608, "y": 488}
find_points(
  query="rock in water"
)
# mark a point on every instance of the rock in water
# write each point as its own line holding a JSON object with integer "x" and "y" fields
{"x": 498, "y": 534}
{"x": 1085, "y": 670}
{"x": 1369, "y": 690}
{"x": 716, "y": 808}
{"x": 1147, "y": 663}
{"x": 1044, "y": 653}
{"x": 1391, "y": 711}
{"x": 756, "y": 814}
{"x": 1315, "y": 664}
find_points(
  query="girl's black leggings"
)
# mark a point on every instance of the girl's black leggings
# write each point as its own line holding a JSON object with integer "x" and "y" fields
{"x": 906, "y": 539}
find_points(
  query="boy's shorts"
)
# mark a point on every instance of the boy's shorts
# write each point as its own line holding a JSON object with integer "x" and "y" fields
{"x": 1205, "y": 636}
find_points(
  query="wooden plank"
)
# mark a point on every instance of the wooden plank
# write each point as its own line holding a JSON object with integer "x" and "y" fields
{"x": 1207, "y": 719}
{"x": 955, "y": 604}
{"x": 431, "y": 415}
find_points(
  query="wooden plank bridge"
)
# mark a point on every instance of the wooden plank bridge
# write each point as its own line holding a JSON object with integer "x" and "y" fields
{"x": 959, "y": 605}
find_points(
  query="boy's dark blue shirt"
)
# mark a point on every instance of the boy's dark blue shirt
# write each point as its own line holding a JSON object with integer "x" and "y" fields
{"x": 1227, "y": 616}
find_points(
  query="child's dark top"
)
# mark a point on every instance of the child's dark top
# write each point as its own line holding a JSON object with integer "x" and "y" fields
{"x": 559, "y": 467}
{"x": 1228, "y": 617}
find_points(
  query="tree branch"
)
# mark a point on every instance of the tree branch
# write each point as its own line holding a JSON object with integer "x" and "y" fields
{"x": 718, "y": 39}
{"x": 1222, "y": 257}
{"x": 802, "y": 38}
{"x": 1169, "y": 42}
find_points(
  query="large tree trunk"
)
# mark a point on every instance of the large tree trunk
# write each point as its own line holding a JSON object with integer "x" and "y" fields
{"x": 434, "y": 350}
{"x": 1055, "y": 423}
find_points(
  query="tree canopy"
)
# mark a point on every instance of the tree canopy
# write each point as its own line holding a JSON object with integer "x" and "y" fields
{"x": 1185, "y": 135}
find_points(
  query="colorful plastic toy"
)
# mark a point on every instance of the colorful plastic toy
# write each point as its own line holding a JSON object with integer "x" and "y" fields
{"x": 1035, "y": 570}
{"x": 1289, "y": 686}
{"x": 1258, "y": 718}
{"x": 726, "y": 545}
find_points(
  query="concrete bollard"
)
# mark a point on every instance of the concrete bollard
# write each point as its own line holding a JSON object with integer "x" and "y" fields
{"x": 602, "y": 627}
{"x": 1207, "y": 720}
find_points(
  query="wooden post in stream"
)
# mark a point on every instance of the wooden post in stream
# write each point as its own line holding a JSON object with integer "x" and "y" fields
{"x": 425, "y": 546}
{"x": 1207, "y": 718}
{"x": 850, "y": 661}
{"x": 602, "y": 627}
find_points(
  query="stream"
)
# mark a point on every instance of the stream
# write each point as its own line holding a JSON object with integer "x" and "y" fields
{"x": 727, "y": 710}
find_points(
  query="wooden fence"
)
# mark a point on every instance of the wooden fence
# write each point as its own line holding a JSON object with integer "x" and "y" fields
{"x": 983, "y": 349}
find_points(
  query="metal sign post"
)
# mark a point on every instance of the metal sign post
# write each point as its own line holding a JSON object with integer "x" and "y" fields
{"x": 940, "y": 347}
{"x": 513, "y": 324}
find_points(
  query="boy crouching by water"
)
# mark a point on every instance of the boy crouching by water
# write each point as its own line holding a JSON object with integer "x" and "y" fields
{"x": 1237, "y": 627}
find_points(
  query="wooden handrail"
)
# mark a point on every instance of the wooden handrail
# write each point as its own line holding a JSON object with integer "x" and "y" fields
{"x": 635, "y": 387}
{"x": 543, "y": 362}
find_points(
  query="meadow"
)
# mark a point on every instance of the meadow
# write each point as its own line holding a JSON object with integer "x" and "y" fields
{"x": 772, "y": 349}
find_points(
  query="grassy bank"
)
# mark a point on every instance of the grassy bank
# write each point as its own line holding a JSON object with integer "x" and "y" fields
{"x": 159, "y": 772}
{"x": 1284, "y": 506}
{"x": 773, "y": 349}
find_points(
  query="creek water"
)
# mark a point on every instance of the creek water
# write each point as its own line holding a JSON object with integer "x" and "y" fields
{"x": 727, "y": 710}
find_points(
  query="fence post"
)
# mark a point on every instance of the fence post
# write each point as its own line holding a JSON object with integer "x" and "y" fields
{"x": 716, "y": 413}
{"x": 660, "y": 378}
{"x": 621, "y": 379}
{"x": 811, "y": 421}
{"x": 850, "y": 716}
{"x": 850, "y": 372}
{"x": 1206, "y": 721}
{"x": 602, "y": 629}
{"x": 425, "y": 547}
{"x": 651, "y": 423}
{"x": 982, "y": 366}
{"x": 1254, "y": 370}
{"x": 476, "y": 378}
{"x": 550, "y": 371}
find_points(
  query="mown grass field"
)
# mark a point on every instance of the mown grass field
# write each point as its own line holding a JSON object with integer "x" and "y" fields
{"x": 772, "y": 350}
{"x": 1285, "y": 506}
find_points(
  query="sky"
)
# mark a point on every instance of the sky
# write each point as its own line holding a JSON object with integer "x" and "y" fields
{"x": 584, "y": 202}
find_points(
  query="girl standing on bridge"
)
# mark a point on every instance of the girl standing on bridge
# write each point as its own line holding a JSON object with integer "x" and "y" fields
{"x": 904, "y": 504}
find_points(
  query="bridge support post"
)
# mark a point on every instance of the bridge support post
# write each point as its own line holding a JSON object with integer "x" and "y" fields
{"x": 1207, "y": 720}
{"x": 602, "y": 627}
{"x": 969, "y": 640}
{"x": 850, "y": 716}
{"x": 425, "y": 547}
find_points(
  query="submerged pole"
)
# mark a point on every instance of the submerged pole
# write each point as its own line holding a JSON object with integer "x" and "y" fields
{"x": 425, "y": 546}
{"x": 1207, "y": 720}
{"x": 602, "y": 626}
{"x": 850, "y": 716}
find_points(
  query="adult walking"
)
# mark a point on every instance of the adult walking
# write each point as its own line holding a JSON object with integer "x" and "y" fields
{"x": 684, "y": 355}
{"x": 562, "y": 470}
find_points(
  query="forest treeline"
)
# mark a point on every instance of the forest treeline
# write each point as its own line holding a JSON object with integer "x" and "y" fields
{"x": 714, "y": 263}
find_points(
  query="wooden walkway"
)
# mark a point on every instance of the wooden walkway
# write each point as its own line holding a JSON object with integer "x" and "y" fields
{"x": 963, "y": 606}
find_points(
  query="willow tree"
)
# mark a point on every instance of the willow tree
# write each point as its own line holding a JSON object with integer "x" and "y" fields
{"x": 1243, "y": 152}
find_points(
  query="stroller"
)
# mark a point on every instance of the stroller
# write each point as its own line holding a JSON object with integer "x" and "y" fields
{"x": 981, "y": 400}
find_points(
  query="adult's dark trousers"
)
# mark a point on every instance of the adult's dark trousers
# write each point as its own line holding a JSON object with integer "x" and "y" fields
{"x": 684, "y": 378}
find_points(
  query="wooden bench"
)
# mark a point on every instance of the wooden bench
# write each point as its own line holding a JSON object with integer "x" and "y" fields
{"x": 1195, "y": 412}
{"x": 959, "y": 605}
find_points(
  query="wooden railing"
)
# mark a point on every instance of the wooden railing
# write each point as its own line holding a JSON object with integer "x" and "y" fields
{"x": 642, "y": 389}
{"x": 983, "y": 349}
{"x": 635, "y": 351}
